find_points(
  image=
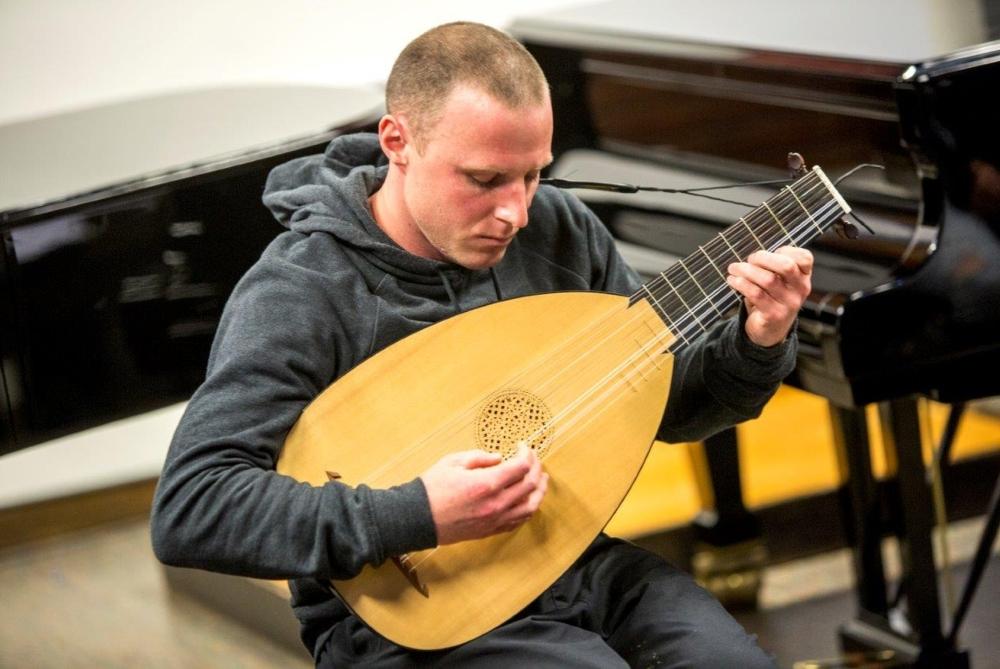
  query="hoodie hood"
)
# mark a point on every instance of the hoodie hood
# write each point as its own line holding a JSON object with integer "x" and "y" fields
{"x": 329, "y": 193}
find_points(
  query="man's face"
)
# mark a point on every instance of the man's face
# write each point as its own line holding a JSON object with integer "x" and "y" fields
{"x": 467, "y": 192}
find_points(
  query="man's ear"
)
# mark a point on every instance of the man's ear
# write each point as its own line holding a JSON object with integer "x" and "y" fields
{"x": 395, "y": 139}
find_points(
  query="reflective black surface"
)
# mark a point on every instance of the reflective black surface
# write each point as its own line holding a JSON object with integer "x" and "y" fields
{"x": 114, "y": 307}
{"x": 110, "y": 297}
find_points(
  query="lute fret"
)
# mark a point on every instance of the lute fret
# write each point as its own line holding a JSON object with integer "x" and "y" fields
{"x": 819, "y": 229}
{"x": 778, "y": 221}
{"x": 680, "y": 297}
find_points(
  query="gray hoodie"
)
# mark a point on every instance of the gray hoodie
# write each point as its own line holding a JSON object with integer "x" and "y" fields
{"x": 325, "y": 295}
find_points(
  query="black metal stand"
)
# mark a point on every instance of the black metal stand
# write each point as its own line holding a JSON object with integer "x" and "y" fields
{"x": 979, "y": 562}
{"x": 911, "y": 627}
{"x": 861, "y": 507}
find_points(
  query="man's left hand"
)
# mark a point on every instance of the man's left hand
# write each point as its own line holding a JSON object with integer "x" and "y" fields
{"x": 775, "y": 285}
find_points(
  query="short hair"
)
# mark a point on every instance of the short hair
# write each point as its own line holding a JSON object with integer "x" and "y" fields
{"x": 430, "y": 67}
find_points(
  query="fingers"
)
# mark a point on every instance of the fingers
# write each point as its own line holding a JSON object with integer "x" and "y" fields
{"x": 474, "y": 494}
{"x": 785, "y": 261}
{"x": 520, "y": 486}
{"x": 526, "y": 507}
{"x": 513, "y": 470}
{"x": 496, "y": 474}
{"x": 783, "y": 276}
{"x": 788, "y": 264}
{"x": 775, "y": 260}
{"x": 802, "y": 258}
{"x": 517, "y": 490}
{"x": 775, "y": 286}
{"x": 474, "y": 459}
{"x": 521, "y": 500}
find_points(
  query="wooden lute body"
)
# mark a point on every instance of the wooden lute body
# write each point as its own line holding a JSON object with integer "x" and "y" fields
{"x": 582, "y": 378}
{"x": 487, "y": 378}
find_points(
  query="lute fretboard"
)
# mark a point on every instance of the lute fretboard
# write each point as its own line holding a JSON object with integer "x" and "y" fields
{"x": 692, "y": 294}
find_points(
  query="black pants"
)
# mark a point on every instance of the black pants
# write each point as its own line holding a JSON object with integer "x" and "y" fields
{"x": 618, "y": 606}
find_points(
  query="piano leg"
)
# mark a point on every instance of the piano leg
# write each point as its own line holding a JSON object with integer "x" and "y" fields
{"x": 924, "y": 644}
{"x": 861, "y": 508}
{"x": 729, "y": 554}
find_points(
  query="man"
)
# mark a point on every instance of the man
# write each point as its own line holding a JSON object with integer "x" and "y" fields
{"x": 439, "y": 213}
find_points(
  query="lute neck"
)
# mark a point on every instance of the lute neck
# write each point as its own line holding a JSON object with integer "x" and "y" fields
{"x": 692, "y": 294}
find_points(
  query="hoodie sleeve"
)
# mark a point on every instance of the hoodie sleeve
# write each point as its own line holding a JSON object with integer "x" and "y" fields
{"x": 219, "y": 504}
{"x": 722, "y": 378}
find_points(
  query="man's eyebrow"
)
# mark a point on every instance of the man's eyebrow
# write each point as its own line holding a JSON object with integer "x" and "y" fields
{"x": 489, "y": 169}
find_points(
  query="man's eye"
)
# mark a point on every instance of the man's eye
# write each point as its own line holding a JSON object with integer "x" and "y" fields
{"x": 483, "y": 181}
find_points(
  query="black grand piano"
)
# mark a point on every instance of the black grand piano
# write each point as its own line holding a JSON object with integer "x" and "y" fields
{"x": 123, "y": 229}
{"x": 679, "y": 95}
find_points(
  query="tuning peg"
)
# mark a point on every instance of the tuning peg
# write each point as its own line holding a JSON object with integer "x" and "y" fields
{"x": 796, "y": 165}
{"x": 845, "y": 228}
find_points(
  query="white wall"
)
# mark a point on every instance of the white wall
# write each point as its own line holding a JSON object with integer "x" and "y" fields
{"x": 58, "y": 55}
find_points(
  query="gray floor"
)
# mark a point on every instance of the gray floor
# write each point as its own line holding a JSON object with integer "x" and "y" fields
{"x": 98, "y": 598}
{"x": 806, "y": 630}
{"x": 802, "y": 603}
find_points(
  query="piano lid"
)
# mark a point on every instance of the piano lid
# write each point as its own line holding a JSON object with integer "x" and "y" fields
{"x": 857, "y": 37}
{"x": 70, "y": 158}
{"x": 729, "y": 87}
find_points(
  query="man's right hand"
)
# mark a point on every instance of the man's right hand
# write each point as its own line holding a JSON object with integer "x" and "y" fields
{"x": 475, "y": 494}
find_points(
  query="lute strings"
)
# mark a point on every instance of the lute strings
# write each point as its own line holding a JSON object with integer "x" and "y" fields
{"x": 803, "y": 234}
{"x": 610, "y": 389}
{"x": 568, "y": 425}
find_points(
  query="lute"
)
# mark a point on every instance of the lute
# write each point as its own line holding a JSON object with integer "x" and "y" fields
{"x": 581, "y": 377}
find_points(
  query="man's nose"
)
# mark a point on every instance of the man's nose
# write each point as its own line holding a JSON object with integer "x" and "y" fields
{"x": 513, "y": 205}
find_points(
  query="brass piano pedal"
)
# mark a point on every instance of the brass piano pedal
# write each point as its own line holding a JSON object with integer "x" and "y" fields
{"x": 731, "y": 573}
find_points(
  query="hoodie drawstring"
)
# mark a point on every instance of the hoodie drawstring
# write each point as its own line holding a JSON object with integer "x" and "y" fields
{"x": 451, "y": 290}
{"x": 448, "y": 289}
{"x": 496, "y": 284}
